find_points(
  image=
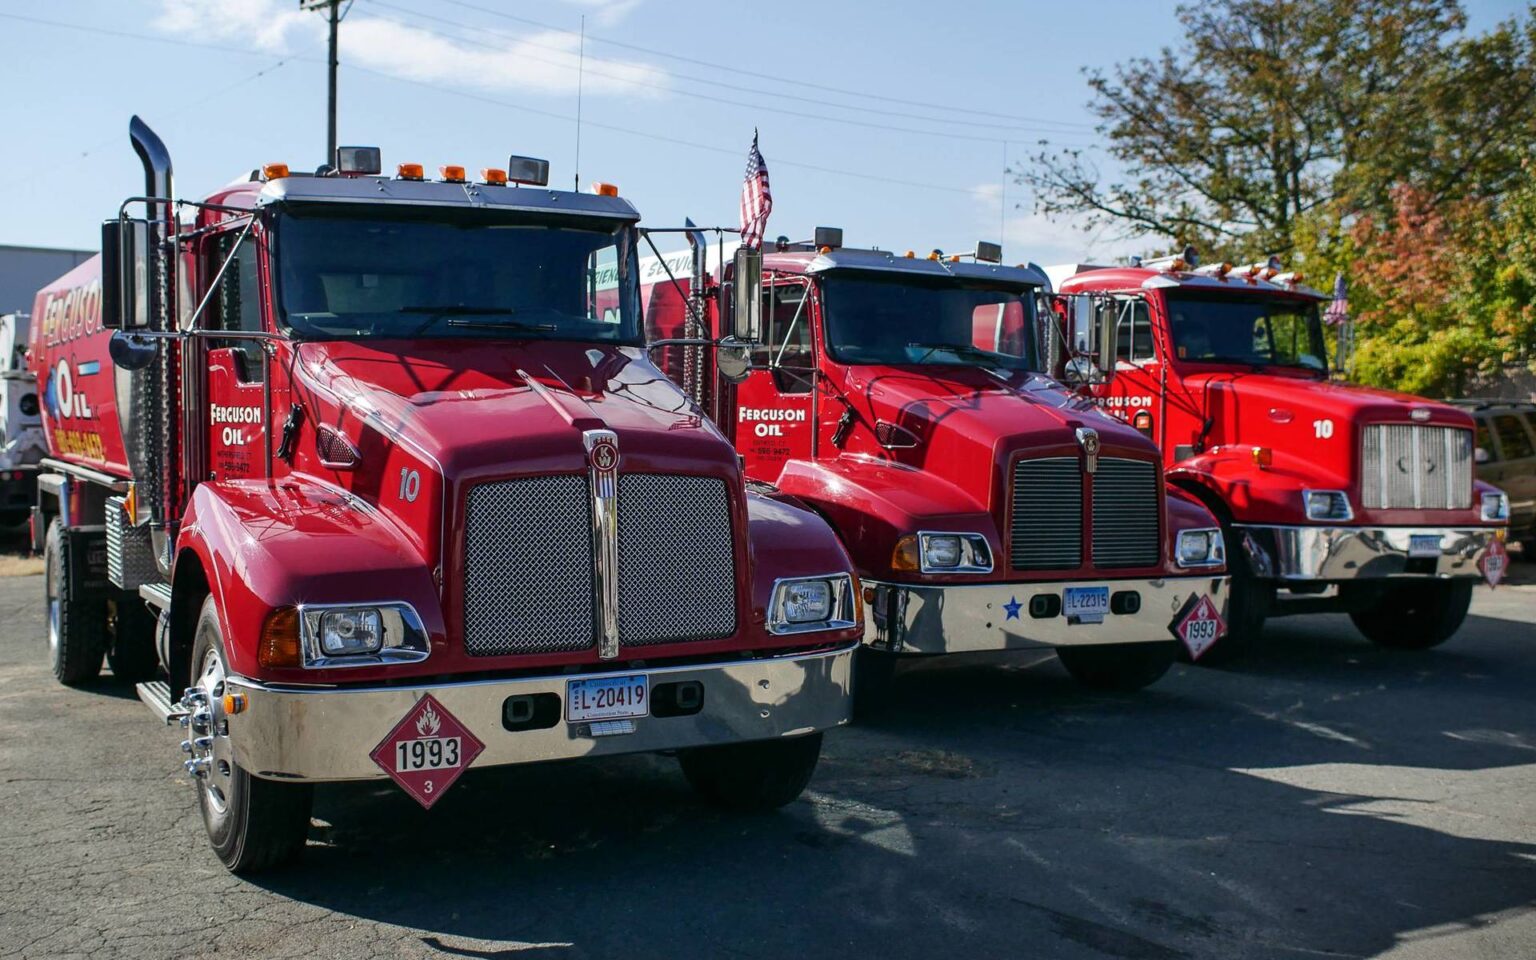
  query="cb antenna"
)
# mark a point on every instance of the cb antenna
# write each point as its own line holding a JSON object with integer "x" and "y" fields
{"x": 581, "y": 64}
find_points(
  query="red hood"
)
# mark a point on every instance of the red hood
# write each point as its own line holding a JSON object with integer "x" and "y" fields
{"x": 965, "y": 419}
{"x": 475, "y": 412}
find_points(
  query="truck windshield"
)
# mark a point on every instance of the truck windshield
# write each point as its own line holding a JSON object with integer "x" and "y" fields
{"x": 875, "y": 319}
{"x": 430, "y": 274}
{"x": 1247, "y": 330}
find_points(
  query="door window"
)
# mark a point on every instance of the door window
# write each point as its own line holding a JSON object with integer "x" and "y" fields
{"x": 238, "y": 301}
{"x": 786, "y": 346}
{"x": 1133, "y": 332}
{"x": 1513, "y": 437}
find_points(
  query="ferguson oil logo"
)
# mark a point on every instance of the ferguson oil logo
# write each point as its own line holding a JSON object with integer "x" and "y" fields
{"x": 220, "y": 414}
{"x": 766, "y": 422}
{"x": 72, "y": 313}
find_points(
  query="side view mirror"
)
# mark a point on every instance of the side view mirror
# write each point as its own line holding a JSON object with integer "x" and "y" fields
{"x": 747, "y": 295}
{"x": 733, "y": 360}
{"x": 124, "y": 274}
{"x": 130, "y": 352}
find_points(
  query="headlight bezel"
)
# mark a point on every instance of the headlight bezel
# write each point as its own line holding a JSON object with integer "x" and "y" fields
{"x": 973, "y": 554}
{"x": 403, "y": 636}
{"x": 842, "y": 613}
{"x": 1501, "y": 513}
{"x": 1212, "y": 548}
{"x": 1336, "y": 497}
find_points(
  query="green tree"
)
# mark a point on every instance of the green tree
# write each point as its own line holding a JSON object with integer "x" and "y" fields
{"x": 1281, "y": 116}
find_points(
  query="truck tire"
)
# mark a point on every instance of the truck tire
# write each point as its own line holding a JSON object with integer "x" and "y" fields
{"x": 1119, "y": 666}
{"x": 131, "y": 654}
{"x": 253, "y": 824}
{"x": 1248, "y": 601}
{"x": 76, "y": 618}
{"x": 874, "y": 674}
{"x": 1416, "y": 616}
{"x": 753, "y": 777}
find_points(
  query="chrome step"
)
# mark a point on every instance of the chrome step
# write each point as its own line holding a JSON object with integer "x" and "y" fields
{"x": 156, "y": 695}
{"x": 158, "y": 594}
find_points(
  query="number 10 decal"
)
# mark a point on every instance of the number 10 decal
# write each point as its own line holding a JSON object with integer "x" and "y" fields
{"x": 410, "y": 484}
{"x": 1323, "y": 429}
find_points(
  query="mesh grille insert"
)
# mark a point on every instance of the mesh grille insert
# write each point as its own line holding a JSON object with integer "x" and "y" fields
{"x": 1046, "y": 530}
{"x": 1125, "y": 507}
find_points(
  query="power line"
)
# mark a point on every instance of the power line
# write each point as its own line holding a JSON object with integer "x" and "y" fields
{"x": 774, "y": 78}
{"x": 778, "y": 94}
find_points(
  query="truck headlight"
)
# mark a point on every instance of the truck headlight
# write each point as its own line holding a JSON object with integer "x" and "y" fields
{"x": 1495, "y": 506}
{"x": 1327, "y": 505}
{"x": 1200, "y": 548}
{"x": 802, "y": 604}
{"x": 336, "y": 635}
{"x": 954, "y": 553}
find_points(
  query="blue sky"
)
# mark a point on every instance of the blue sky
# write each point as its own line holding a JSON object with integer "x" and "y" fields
{"x": 470, "y": 81}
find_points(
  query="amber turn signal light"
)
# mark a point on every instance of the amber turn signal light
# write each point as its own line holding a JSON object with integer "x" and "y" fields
{"x": 492, "y": 177}
{"x": 451, "y": 173}
{"x": 279, "y": 645}
{"x": 605, "y": 189}
{"x": 905, "y": 556}
{"x": 1263, "y": 457}
{"x": 410, "y": 171}
{"x": 274, "y": 171}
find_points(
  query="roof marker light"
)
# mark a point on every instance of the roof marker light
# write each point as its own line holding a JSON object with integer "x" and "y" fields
{"x": 1289, "y": 279}
{"x": 493, "y": 177}
{"x": 605, "y": 189}
{"x": 936, "y": 254}
{"x": 410, "y": 171}
{"x": 911, "y": 254}
{"x": 451, "y": 173}
{"x": 274, "y": 171}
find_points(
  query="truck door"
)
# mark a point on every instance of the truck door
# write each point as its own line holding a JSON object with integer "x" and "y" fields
{"x": 1132, "y": 393}
{"x": 236, "y": 409}
{"x": 773, "y": 404}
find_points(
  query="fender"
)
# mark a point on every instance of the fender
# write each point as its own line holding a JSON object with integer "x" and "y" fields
{"x": 1255, "y": 494}
{"x": 264, "y": 546}
{"x": 786, "y": 538}
{"x": 1186, "y": 512}
{"x": 879, "y": 502}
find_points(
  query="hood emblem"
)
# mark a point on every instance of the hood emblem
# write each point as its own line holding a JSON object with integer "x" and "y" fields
{"x": 603, "y": 469}
{"x": 1088, "y": 439}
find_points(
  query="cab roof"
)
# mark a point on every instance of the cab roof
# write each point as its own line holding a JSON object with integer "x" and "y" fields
{"x": 884, "y": 261}
{"x": 372, "y": 190}
{"x": 1143, "y": 278}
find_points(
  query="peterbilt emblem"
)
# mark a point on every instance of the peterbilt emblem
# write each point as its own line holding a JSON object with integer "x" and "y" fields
{"x": 1088, "y": 439}
{"x": 1402, "y": 466}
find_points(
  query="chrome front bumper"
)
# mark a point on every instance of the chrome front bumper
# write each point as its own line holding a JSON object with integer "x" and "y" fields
{"x": 910, "y": 618}
{"x": 1364, "y": 553}
{"x": 327, "y": 734}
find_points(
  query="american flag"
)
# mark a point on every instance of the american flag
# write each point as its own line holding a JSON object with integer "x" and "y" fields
{"x": 756, "y": 201}
{"x": 1338, "y": 311}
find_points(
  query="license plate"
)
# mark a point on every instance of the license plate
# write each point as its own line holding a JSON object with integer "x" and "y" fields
{"x": 608, "y": 698}
{"x": 1085, "y": 604}
{"x": 1424, "y": 545}
{"x": 432, "y": 753}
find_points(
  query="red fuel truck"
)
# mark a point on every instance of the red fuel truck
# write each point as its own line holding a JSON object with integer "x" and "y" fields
{"x": 1331, "y": 497}
{"x": 376, "y": 469}
{"x": 985, "y": 506}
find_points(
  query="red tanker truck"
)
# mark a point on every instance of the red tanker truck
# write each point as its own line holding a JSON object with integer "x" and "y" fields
{"x": 1332, "y": 497}
{"x": 377, "y": 471}
{"x": 985, "y": 506}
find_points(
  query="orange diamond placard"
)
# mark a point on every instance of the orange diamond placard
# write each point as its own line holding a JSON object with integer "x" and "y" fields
{"x": 427, "y": 751}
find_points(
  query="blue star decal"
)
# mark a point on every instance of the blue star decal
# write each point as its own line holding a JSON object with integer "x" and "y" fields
{"x": 1012, "y": 606}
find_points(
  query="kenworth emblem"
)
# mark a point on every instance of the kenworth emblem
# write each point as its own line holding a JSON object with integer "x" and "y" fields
{"x": 1088, "y": 439}
{"x": 603, "y": 478}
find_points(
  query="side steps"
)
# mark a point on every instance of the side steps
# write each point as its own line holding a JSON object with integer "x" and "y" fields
{"x": 156, "y": 695}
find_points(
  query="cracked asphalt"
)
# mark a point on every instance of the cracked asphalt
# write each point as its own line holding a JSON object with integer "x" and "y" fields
{"x": 1324, "y": 799}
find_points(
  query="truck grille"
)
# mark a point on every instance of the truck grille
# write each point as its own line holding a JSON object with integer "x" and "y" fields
{"x": 528, "y": 580}
{"x": 1125, "y": 509}
{"x": 1407, "y": 466}
{"x": 1046, "y": 530}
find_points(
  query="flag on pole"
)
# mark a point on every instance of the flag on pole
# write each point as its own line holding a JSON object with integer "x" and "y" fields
{"x": 1338, "y": 311}
{"x": 756, "y": 201}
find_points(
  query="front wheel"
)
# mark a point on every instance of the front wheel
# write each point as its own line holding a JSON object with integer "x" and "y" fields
{"x": 1118, "y": 666}
{"x": 753, "y": 777}
{"x": 253, "y": 824}
{"x": 1416, "y": 616}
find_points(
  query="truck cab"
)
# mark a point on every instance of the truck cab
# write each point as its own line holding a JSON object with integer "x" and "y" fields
{"x": 1331, "y": 496}
{"x": 386, "y": 483}
{"x": 985, "y": 506}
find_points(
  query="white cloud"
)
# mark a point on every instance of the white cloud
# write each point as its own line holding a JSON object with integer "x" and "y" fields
{"x": 495, "y": 61}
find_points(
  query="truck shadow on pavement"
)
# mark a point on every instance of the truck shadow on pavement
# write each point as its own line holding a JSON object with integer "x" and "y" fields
{"x": 1327, "y": 797}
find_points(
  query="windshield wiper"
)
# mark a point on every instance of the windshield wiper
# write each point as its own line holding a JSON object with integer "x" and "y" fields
{"x": 502, "y": 325}
{"x": 959, "y": 349}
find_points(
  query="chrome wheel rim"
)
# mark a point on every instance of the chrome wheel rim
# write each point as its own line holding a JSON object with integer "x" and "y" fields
{"x": 54, "y": 613}
{"x": 217, "y": 781}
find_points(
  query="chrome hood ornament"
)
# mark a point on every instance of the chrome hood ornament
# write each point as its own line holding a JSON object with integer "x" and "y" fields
{"x": 1088, "y": 439}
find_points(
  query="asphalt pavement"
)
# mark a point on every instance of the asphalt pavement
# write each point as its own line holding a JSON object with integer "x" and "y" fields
{"x": 1324, "y": 799}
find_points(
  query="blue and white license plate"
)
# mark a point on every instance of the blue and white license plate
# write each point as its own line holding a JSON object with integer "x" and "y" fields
{"x": 608, "y": 698}
{"x": 1085, "y": 604}
{"x": 1424, "y": 545}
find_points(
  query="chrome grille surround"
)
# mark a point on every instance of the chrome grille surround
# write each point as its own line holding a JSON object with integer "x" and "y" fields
{"x": 677, "y": 560}
{"x": 1415, "y": 467}
{"x": 527, "y": 580}
{"x": 1125, "y": 513}
{"x": 1044, "y": 531}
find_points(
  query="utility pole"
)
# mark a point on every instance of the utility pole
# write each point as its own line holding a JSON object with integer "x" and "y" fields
{"x": 333, "y": 14}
